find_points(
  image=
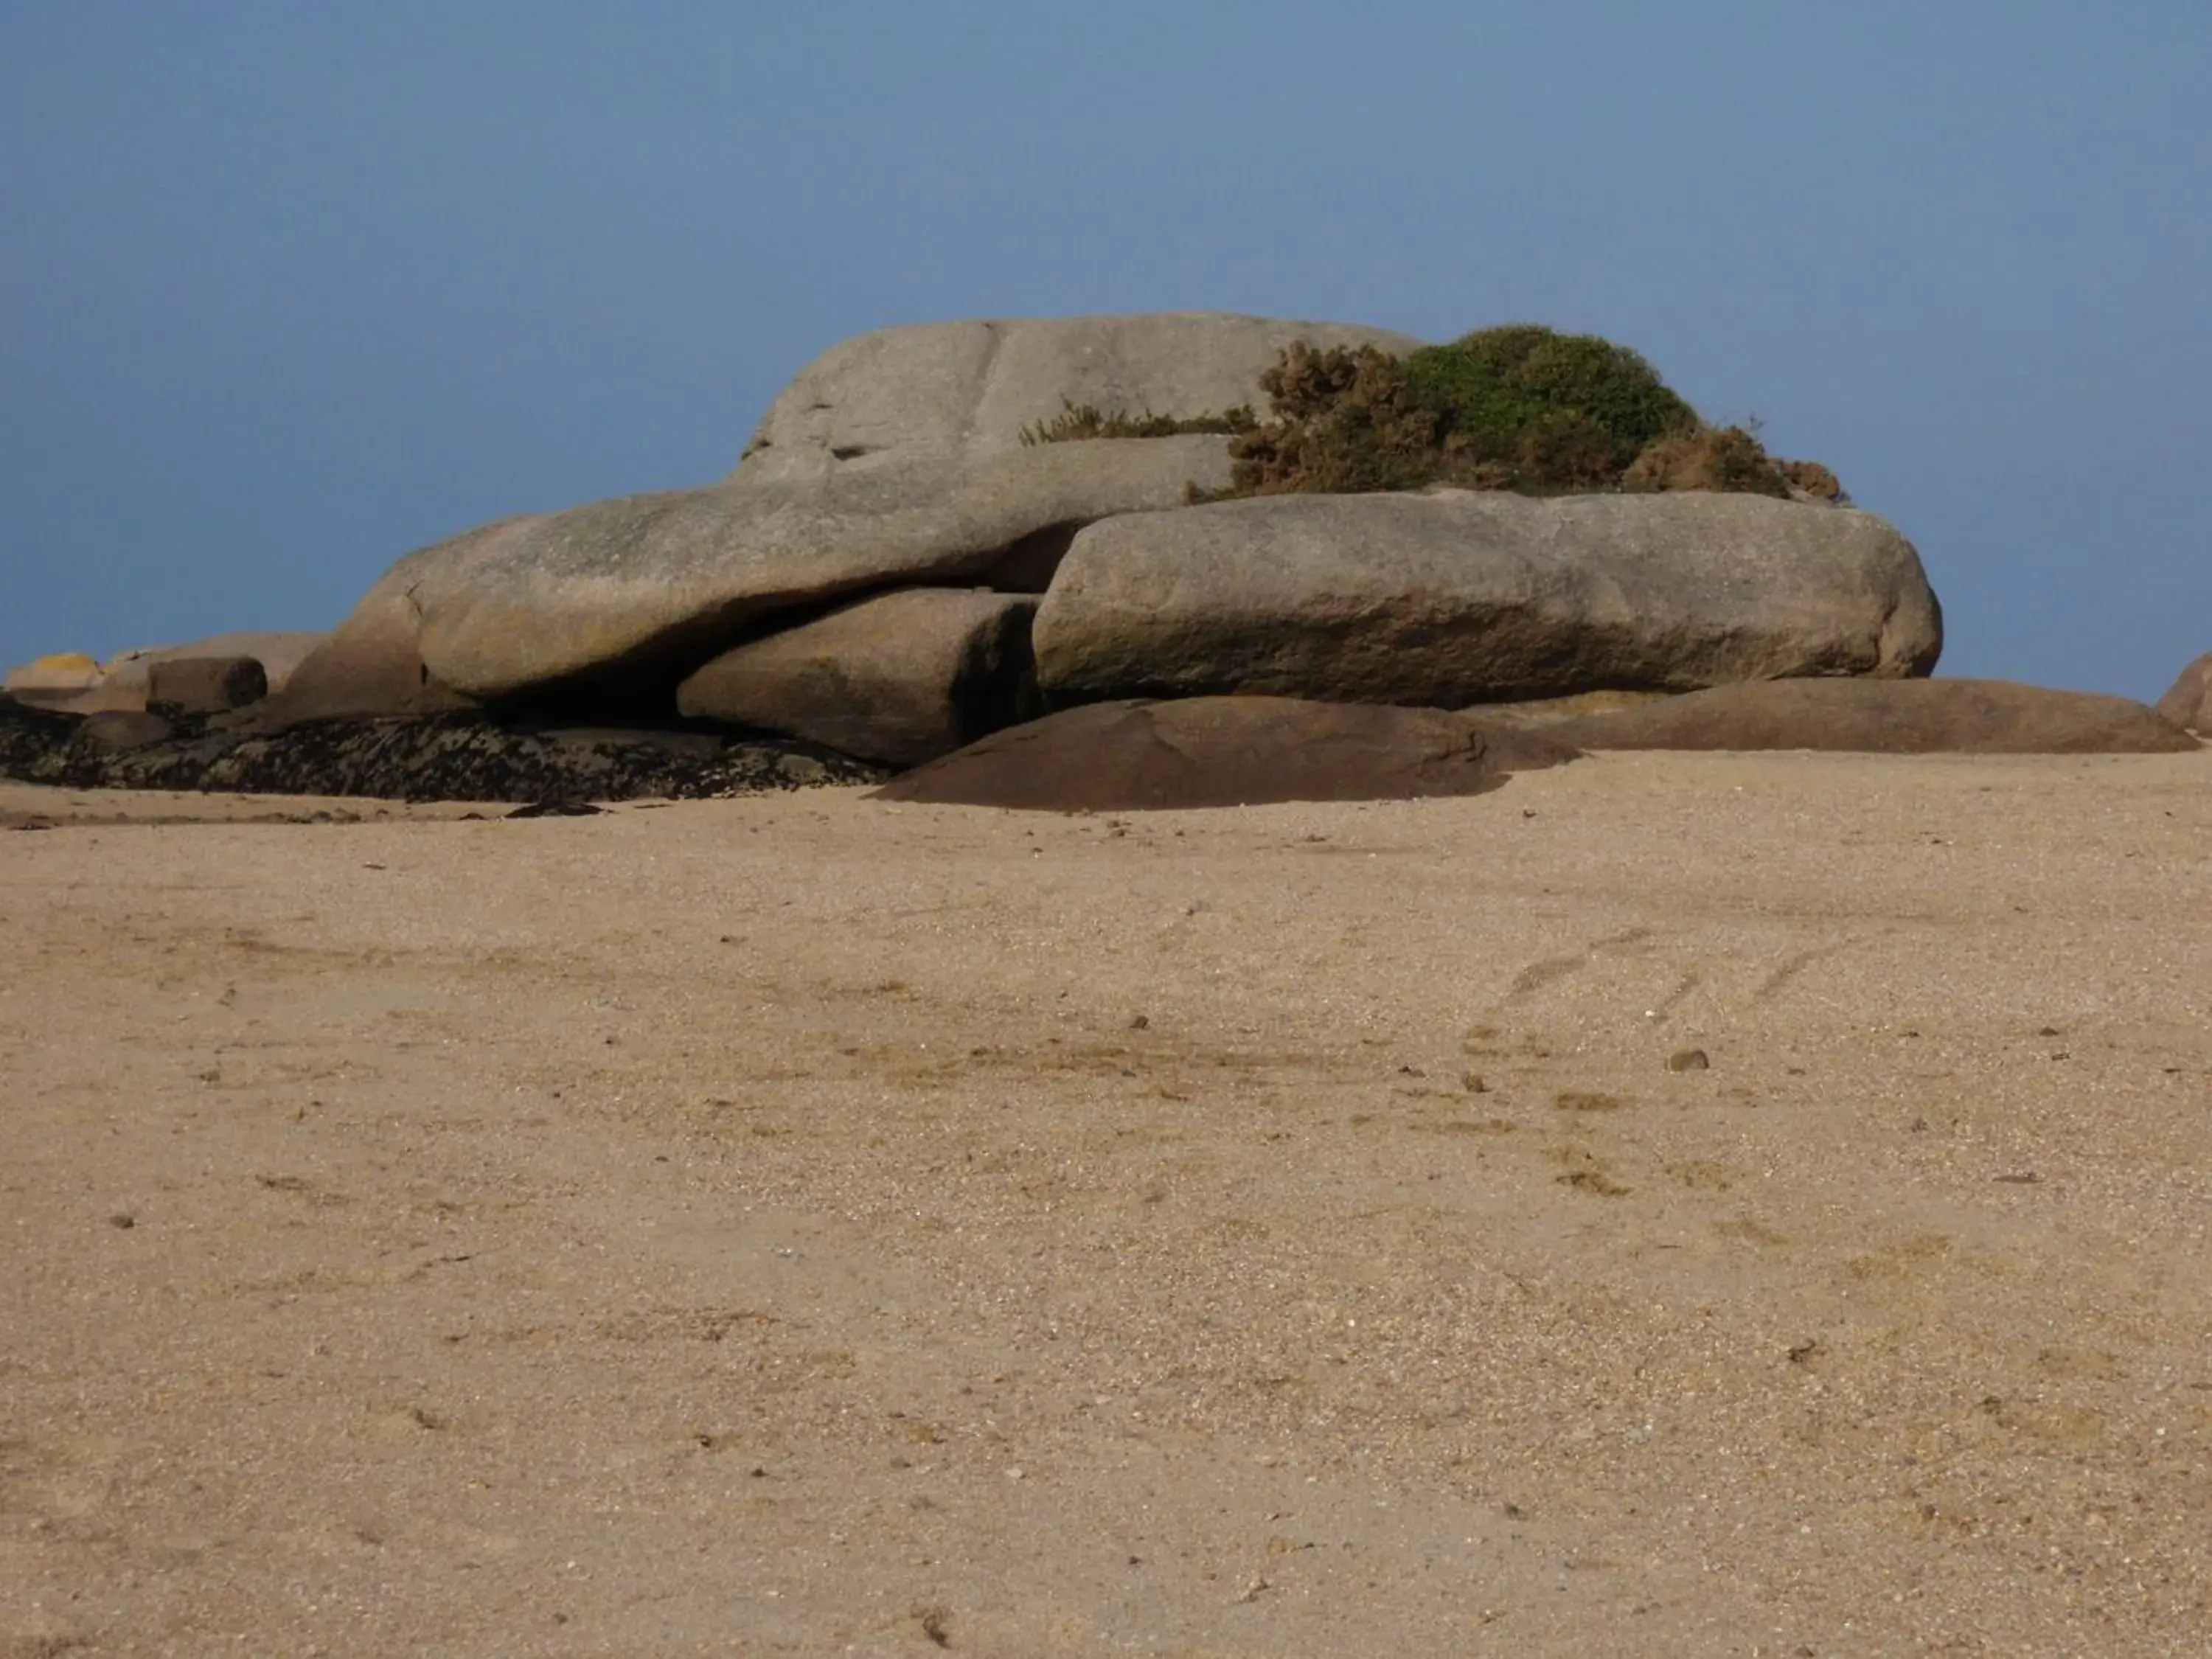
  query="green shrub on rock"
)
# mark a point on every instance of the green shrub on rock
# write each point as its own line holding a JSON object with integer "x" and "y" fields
{"x": 1560, "y": 411}
{"x": 1523, "y": 407}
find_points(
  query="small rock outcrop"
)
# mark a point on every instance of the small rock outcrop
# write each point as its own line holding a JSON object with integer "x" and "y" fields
{"x": 1226, "y": 751}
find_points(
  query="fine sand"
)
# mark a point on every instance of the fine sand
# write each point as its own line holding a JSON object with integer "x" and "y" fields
{"x": 803, "y": 1224}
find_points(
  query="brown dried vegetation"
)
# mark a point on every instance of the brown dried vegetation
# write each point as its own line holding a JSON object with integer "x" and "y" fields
{"x": 1521, "y": 408}
{"x": 1076, "y": 422}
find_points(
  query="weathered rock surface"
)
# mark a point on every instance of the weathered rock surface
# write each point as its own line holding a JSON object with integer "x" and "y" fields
{"x": 54, "y": 678}
{"x": 1226, "y": 751}
{"x": 2188, "y": 702}
{"x": 372, "y": 666}
{"x": 1449, "y": 598}
{"x": 640, "y": 591}
{"x": 895, "y": 459}
{"x": 1891, "y": 717}
{"x": 205, "y": 685}
{"x": 902, "y": 676}
{"x": 942, "y": 390}
{"x": 435, "y": 757}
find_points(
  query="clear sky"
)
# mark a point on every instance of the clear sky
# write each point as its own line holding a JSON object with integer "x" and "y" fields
{"x": 288, "y": 290}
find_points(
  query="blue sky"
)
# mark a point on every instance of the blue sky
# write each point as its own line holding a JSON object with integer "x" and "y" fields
{"x": 287, "y": 291}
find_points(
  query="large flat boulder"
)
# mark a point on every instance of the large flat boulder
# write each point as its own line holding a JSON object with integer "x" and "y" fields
{"x": 970, "y": 389}
{"x": 638, "y": 592}
{"x": 901, "y": 677}
{"x": 1447, "y": 597}
{"x": 1226, "y": 751}
{"x": 1886, "y": 717}
{"x": 2188, "y": 702}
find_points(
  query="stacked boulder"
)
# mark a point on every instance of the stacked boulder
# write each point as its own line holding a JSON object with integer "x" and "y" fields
{"x": 899, "y": 565}
{"x": 941, "y": 531}
{"x": 898, "y": 467}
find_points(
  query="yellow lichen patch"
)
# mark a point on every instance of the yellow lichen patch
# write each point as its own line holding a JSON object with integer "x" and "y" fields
{"x": 66, "y": 670}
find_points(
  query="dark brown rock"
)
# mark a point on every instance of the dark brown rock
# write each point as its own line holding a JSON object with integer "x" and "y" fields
{"x": 2189, "y": 702}
{"x": 1887, "y": 717}
{"x": 1226, "y": 751}
{"x": 117, "y": 730}
{"x": 205, "y": 685}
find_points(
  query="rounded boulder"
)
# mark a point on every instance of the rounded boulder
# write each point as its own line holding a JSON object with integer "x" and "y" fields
{"x": 1226, "y": 751}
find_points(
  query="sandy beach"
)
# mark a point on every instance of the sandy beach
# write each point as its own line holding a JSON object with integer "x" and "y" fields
{"x": 801, "y": 1224}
